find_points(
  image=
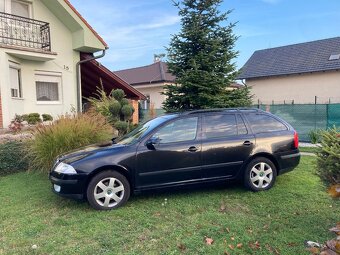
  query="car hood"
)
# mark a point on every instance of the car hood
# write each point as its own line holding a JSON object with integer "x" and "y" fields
{"x": 88, "y": 150}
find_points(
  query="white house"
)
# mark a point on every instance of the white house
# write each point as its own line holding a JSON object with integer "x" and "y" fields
{"x": 303, "y": 73}
{"x": 41, "y": 43}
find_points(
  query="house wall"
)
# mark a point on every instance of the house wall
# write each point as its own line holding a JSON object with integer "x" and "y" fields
{"x": 63, "y": 64}
{"x": 154, "y": 91}
{"x": 1, "y": 122}
{"x": 301, "y": 88}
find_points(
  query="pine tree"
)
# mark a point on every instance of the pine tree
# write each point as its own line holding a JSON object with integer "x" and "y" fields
{"x": 200, "y": 56}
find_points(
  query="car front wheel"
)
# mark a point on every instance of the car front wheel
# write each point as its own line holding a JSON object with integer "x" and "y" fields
{"x": 108, "y": 190}
{"x": 260, "y": 174}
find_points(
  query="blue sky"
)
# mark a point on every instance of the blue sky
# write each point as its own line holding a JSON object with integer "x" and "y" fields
{"x": 137, "y": 29}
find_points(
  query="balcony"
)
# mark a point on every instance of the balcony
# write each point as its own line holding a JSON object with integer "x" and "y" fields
{"x": 24, "y": 33}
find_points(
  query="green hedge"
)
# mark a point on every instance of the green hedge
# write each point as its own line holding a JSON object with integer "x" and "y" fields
{"x": 12, "y": 158}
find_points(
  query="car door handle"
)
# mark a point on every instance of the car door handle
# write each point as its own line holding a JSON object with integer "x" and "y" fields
{"x": 192, "y": 149}
{"x": 247, "y": 143}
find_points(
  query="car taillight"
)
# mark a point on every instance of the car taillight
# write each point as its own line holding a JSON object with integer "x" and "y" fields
{"x": 296, "y": 140}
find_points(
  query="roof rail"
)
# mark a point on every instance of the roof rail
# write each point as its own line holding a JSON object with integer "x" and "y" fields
{"x": 222, "y": 110}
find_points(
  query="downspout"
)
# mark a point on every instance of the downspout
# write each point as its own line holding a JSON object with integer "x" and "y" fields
{"x": 79, "y": 106}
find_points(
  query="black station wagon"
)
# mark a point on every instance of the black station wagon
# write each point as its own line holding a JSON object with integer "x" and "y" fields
{"x": 179, "y": 149}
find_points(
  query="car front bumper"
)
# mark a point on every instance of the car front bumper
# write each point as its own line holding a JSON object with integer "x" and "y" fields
{"x": 71, "y": 186}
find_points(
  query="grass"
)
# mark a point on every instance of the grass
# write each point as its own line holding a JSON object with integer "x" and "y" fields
{"x": 273, "y": 222}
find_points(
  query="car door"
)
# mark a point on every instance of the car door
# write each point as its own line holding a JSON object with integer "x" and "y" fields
{"x": 226, "y": 144}
{"x": 173, "y": 156}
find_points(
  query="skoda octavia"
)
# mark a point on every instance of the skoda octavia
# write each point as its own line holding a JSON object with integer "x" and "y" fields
{"x": 180, "y": 149}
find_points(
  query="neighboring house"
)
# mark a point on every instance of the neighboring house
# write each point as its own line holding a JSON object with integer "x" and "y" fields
{"x": 300, "y": 73}
{"x": 150, "y": 81}
{"x": 41, "y": 42}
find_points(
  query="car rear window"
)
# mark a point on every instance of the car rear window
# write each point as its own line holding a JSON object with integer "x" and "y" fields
{"x": 262, "y": 123}
{"x": 219, "y": 125}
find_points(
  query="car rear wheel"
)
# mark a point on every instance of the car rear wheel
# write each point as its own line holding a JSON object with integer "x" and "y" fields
{"x": 108, "y": 190}
{"x": 260, "y": 174}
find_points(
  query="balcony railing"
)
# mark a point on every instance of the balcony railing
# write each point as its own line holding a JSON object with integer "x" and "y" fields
{"x": 24, "y": 32}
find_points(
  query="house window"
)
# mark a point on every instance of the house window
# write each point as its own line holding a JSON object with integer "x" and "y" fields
{"x": 48, "y": 87}
{"x": 146, "y": 103}
{"x": 15, "y": 81}
{"x": 21, "y": 8}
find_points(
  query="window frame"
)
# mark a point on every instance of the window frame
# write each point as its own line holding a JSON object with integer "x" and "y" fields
{"x": 17, "y": 67}
{"x": 43, "y": 77}
{"x": 197, "y": 136}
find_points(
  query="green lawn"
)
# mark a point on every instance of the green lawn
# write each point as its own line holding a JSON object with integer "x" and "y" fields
{"x": 273, "y": 222}
{"x": 308, "y": 149}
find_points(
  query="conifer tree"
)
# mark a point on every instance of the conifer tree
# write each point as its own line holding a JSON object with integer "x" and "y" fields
{"x": 201, "y": 57}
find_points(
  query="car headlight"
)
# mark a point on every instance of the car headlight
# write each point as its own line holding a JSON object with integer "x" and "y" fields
{"x": 63, "y": 168}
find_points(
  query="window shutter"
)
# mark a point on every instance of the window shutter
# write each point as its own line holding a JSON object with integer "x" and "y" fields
{"x": 15, "y": 82}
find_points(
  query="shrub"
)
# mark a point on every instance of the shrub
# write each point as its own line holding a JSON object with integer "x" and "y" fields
{"x": 16, "y": 124}
{"x": 122, "y": 127}
{"x": 314, "y": 136}
{"x": 24, "y": 117}
{"x": 65, "y": 134}
{"x": 33, "y": 118}
{"x": 12, "y": 157}
{"x": 47, "y": 117}
{"x": 328, "y": 157}
{"x": 115, "y": 107}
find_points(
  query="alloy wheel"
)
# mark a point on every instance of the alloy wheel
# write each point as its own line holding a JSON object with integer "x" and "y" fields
{"x": 261, "y": 175}
{"x": 109, "y": 192}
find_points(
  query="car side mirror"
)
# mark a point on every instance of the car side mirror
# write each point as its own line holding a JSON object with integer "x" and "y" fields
{"x": 152, "y": 142}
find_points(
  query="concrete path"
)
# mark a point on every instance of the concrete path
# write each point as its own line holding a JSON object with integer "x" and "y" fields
{"x": 308, "y": 154}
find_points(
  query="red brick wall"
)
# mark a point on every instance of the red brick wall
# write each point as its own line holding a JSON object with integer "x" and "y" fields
{"x": 135, "y": 114}
{"x": 1, "y": 122}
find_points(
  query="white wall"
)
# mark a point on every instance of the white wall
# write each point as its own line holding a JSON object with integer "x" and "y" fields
{"x": 64, "y": 63}
{"x": 301, "y": 88}
{"x": 154, "y": 91}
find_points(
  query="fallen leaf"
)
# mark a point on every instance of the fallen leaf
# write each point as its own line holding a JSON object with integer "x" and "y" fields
{"x": 228, "y": 230}
{"x": 222, "y": 207}
{"x": 334, "y": 191}
{"x": 232, "y": 238}
{"x": 226, "y": 253}
{"x": 329, "y": 252}
{"x": 314, "y": 250}
{"x": 272, "y": 249}
{"x": 209, "y": 241}
{"x": 181, "y": 247}
{"x": 231, "y": 247}
{"x": 239, "y": 245}
{"x": 255, "y": 245}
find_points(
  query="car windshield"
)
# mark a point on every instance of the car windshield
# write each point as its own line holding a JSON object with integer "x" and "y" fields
{"x": 142, "y": 130}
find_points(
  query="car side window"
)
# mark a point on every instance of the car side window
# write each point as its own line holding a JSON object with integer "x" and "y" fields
{"x": 261, "y": 123}
{"x": 178, "y": 131}
{"x": 219, "y": 125}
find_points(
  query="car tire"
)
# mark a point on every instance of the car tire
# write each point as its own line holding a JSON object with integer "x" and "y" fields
{"x": 108, "y": 190}
{"x": 260, "y": 174}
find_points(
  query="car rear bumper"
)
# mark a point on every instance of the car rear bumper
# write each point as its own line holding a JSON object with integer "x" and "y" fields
{"x": 289, "y": 162}
{"x": 71, "y": 186}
